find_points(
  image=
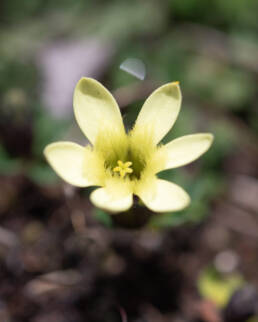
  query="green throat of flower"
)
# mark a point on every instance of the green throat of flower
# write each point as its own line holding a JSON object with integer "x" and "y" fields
{"x": 124, "y": 156}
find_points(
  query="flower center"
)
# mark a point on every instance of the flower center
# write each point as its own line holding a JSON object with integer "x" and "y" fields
{"x": 123, "y": 168}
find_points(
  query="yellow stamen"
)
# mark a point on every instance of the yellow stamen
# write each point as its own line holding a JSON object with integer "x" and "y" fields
{"x": 123, "y": 168}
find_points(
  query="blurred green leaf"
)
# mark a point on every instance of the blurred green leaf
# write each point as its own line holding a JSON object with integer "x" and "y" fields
{"x": 9, "y": 166}
{"x": 102, "y": 217}
{"x": 218, "y": 288}
{"x": 46, "y": 130}
{"x": 42, "y": 174}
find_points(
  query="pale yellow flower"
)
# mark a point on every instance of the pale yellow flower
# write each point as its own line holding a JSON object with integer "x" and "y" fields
{"x": 125, "y": 164}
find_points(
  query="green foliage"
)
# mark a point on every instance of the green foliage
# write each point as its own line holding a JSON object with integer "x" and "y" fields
{"x": 42, "y": 174}
{"x": 8, "y": 165}
{"x": 218, "y": 12}
{"x": 218, "y": 288}
{"x": 46, "y": 130}
{"x": 103, "y": 217}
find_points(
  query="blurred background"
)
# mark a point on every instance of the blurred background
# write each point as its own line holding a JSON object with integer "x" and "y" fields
{"x": 61, "y": 260}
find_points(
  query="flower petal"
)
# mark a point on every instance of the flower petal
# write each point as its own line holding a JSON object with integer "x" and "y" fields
{"x": 160, "y": 110}
{"x": 164, "y": 196}
{"x": 102, "y": 198}
{"x": 67, "y": 159}
{"x": 186, "y": 149}
{"x": 95, "y": 108}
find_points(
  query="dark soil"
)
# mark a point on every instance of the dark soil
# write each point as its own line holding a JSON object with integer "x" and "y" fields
{"x": 59, "y": 264}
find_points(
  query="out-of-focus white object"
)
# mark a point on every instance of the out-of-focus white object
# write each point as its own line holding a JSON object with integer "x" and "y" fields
{"x": 226, "y": 261}
{"x": 63, "y": 63}
{"x": 135, "y": 67}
